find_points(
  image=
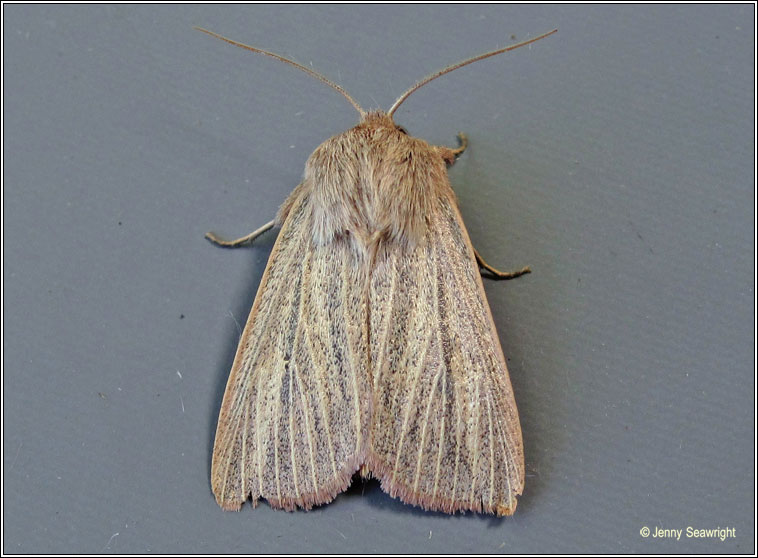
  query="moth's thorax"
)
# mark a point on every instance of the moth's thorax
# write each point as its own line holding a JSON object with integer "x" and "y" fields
{"x": 374, "y": 182}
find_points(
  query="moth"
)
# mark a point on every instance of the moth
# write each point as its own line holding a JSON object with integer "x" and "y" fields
{"x": 370, "y": 346}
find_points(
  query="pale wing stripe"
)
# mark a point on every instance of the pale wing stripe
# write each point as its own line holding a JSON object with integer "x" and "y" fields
{"x": 461, "y": 433}
{"x": 235, "y": 418}
{"x": 309, "y": 428}
{"x": 276, "y": 416}
{"x": 264, "y": 314}
{"x": 322, "y": 402}
{"x": 423, "y": 429}
{"x": 258, "y": 442}
{"x": 457, "y": 446}
{"x": 492, "y": 452}
{"x": 442, "y": 367}
{"x": 506, "y": 457}
{"x": 443, "y": 409}
{"x": 475, "y": 465}
{"x": 409, "y": 403}
{"x": 229, "y": 456}
{"x": 351, "y": 358}
{"x": 442, "y": 436}
{"x": 235, "y": 410}
{"x": 500, "y": 392}
{"x": 303, "y": 340}
{"x": 456, "y": 389}
{"x": 385, "y": 326}
{"x": 305, "y": 285}
{"x": 276, "y": 458}
{"x": 243, "y": 466}
{"x": 292, "y": 440}
{"x": 280, "y": 379}
{"x": 411, "y": 319}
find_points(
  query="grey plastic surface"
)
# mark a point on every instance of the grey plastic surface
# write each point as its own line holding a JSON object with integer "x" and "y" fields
{"x": 615, "y": 158}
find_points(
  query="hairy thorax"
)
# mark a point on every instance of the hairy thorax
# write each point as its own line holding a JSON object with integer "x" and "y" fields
{"x": 373, "y": 183}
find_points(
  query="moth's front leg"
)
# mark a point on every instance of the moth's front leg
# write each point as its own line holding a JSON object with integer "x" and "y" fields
{"x": 240, "y": 241}
{"x": 449, "y": 154}
{"x": 496, "y": 273}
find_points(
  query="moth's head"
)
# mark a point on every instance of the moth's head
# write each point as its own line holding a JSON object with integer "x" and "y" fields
{"x": 377, "y": 119}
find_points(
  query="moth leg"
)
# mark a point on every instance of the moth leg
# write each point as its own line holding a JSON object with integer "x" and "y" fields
{"x": 240, "y": 241}
{"x": 449, "y": 154}
{"x": 496, "y": 273}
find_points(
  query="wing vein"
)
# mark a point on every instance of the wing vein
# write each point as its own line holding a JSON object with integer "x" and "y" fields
{"x": 292, "y": 437}
{"x": 443, "y": 411}
{"x": 385, "y": 326}
{"x": 322, "y": 405}
{"x": 292, "y": 364}
{"x": 308, "y": 427}
{"x": 507, "y": 456}
{"x": 423, "y": 430}
{"x": 351, "y": 357}
{"x": 442, "y": 365}
{"x": 235, "y": 419}
{"x": 475, "y": 453}
{"x": 492, "y": 452}
{"x": 243, "y": 465}
{"x": 409, "y": 404}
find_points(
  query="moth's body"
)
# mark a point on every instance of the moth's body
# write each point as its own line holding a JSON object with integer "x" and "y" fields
{"x": 374, "y": 182}
{"x": 370, "y": 343}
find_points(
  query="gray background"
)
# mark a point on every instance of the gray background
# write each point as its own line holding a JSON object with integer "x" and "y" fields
{"x": 615, "y": 158}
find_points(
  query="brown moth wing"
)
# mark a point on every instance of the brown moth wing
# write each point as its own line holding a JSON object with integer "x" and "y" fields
{"x": 292, "y": 426}
{"x": 445, "y": 432}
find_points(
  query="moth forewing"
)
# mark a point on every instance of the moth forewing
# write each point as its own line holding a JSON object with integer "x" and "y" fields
{"x": 370, "y": 345}
{"x": 292, "y": 424}
{"x": 445, "y": 433}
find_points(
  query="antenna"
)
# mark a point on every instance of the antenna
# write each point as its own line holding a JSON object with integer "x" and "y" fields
{"x": 291, "y": 63}
{"x": 449, "y": 69}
